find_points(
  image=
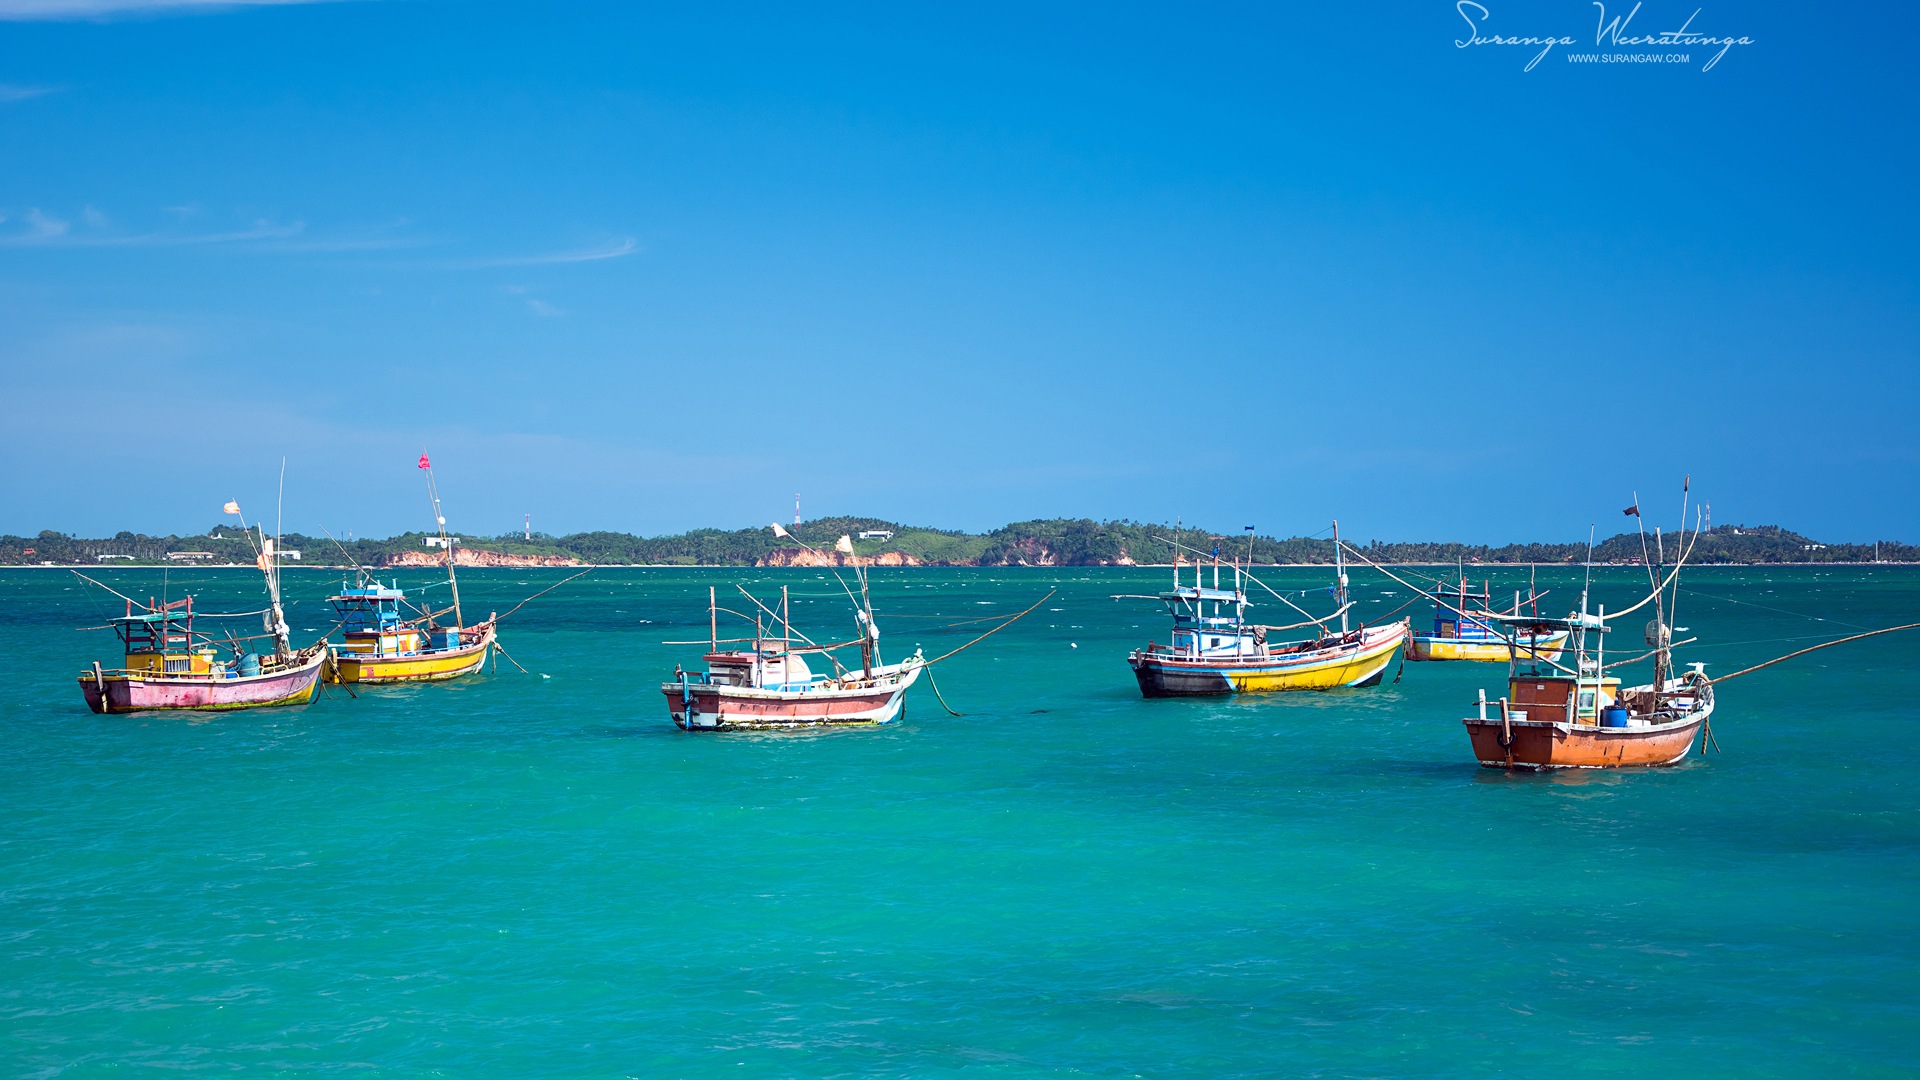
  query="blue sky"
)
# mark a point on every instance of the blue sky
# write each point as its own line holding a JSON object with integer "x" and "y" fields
{"x": 657, "y": 267}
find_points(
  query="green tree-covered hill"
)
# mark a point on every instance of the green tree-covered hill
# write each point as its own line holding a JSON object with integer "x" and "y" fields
{"x": 1049, "y": 542}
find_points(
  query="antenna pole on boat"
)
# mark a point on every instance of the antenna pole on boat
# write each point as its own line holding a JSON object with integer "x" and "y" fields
{"x": 713, "y": 621}
{"x": 1339, "y": 578}
{"x": 1177, "y": 521}
{"x": 1238, "y": 585}
{"x": 1686, "y": 491}
{"x": 440, "y": 522}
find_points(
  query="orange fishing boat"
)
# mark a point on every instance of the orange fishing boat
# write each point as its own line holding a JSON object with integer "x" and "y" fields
{"x": 1581, "y": 718}
{"x": 1558, "y": 717}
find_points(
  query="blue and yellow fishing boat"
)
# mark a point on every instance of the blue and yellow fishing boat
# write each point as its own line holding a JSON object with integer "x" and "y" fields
{"x": 383, "y": 646}
{"x": 1215, "y": 650}
{"x": 1465, "y": 627}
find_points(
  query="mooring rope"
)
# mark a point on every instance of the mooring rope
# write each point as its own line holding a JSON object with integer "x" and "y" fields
{"x": 937, "y": 697}
{"x": 1815, "y": 648}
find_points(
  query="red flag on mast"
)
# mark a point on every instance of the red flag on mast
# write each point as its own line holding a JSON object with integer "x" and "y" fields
{"x": 423, "y": 461}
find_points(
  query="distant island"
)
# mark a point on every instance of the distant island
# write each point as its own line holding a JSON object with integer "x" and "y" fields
{"x": 1051, "y": 542}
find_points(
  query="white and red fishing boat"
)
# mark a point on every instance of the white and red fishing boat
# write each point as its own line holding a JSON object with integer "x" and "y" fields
{"x": 769, "y": 684}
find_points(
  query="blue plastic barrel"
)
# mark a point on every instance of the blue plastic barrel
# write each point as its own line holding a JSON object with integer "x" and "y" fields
{"x": 1613, "y": 716}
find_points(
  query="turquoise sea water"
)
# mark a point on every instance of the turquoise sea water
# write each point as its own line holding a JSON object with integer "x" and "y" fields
{"x": 540, "y": 876}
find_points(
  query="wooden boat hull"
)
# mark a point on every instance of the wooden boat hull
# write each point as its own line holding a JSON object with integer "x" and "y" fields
{"x": 351, "y": 667}
{"x": 124, "y": 692}
{"x": 708, "y": 707}
{"x": 1359, "y": 663}
{"x": 1524, "y": 742}
{"x": 1432, "y": 647}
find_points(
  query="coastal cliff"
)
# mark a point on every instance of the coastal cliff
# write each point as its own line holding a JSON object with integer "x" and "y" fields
{"x": 473, "y": 557}
{"x": 799, "y": 557}
{"x": 1035, "y": 551}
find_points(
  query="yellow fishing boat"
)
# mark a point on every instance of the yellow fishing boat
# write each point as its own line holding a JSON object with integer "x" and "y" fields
{"x": 383, "y": 646}
{"x": 1465, "y": 627}
{"x": 1215, "y": 650}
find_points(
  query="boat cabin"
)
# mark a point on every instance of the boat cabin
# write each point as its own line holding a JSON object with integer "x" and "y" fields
{"x": 1450, "y": 625}
{"x": 161, "y": 639}
{"x": 1198, "y": 634}
{"x": 371, "y": 621}
{"x": 1554, "y": 695}
{"x": 769, "y": 668}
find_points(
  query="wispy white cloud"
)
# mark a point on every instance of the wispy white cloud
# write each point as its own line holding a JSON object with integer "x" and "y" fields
{"x": 53, "y": 10}
{"x": 95, "y": 229}
{"x": 534, "y": 304}
{"x": 40, "y": 229}
{"x": 190, "y": 226}
{"x": 613, "y": 249}
{"x": 19, "y": 92}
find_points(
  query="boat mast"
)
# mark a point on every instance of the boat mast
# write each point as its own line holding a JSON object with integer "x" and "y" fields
{"x": 1339, "y": 578}
{"x": 1240, "y": 586}
{"x": 713, "y": 621}
{"x": 1672, "y": 616}
{"x": 1660, "y": 637}
{"x": 1580, "y": 640}
{"x": 275, "y": 621}
{"x": 440, "y": 522}
{"x": 869, "y": 634}
{"x": 276, "y": 618}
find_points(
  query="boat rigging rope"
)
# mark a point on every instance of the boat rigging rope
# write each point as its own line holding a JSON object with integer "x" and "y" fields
{"x": 497, "y": 618}
{"x": 1815, "y": 648}
{"x": 109, "y": 588}
{"x": 1389, "y": 615}
{"x": 1649, "y": 653}
{"x": 1661, "y": 587}
{"x": 995, "y": 630}
{"x": 838, "y": 668}
{"x": 1309, "y": 622}
{"x": 1511, "y": 642}
{"x": 1248, "y": 571}
{"x": 1778, "y": 611}
{"x": 928, "y": 666}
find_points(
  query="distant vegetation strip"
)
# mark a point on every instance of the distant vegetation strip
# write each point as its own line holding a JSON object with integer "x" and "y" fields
{"x": 1052, "y": 542}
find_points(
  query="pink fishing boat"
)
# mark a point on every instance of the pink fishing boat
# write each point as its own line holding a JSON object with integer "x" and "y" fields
{"x": 170, "y": 665}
